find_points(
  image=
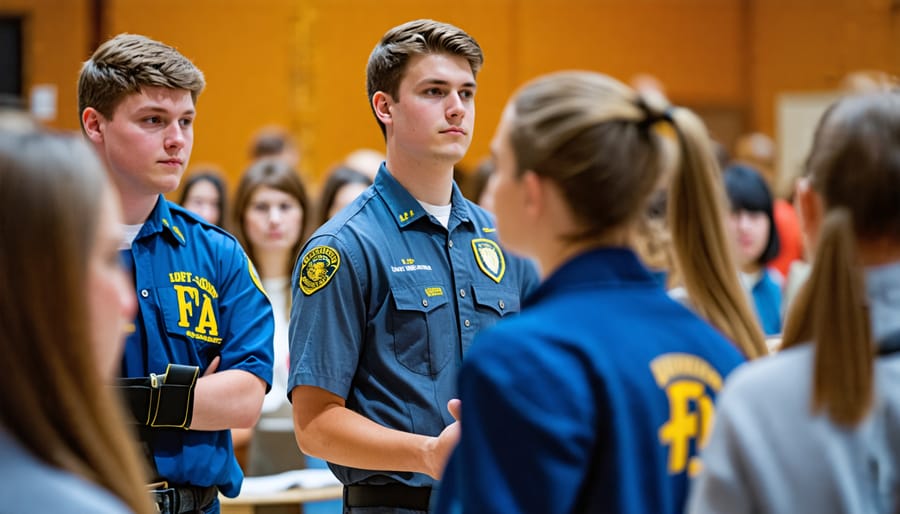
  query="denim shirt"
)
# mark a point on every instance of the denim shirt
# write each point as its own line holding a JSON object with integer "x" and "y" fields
{"x": 386, "y": 301}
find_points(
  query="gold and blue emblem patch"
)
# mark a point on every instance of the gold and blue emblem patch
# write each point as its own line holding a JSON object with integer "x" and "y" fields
{"x": 317, "y": 268}
{"x": 489, "y": 258}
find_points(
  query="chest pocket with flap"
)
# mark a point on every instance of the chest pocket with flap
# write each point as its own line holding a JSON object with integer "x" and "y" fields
{"x": 422, "y": 327}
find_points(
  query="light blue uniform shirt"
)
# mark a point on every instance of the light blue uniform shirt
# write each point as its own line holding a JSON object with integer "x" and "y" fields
{"x": 385, "y": 302}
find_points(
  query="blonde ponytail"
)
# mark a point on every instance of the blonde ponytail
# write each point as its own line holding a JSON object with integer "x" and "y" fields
{"x": 697, "y": 220}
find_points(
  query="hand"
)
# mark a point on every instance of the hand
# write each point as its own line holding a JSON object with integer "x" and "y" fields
{"x": 441, "y": 446}
{"x": 455, "y": 408}
{"x": 213, "y": 366}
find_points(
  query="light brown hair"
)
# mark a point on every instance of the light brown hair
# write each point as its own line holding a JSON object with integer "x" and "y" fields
{"x": 214, "y": 177}
{"x": 388, "y": 60}
{"x": 854, "y": 164}
{"x": 52, "y": 399}
{"x": 594, "y": 137}
{"x": 339, "y": 177}
{"x": 126, "y": 63}
{"x": 279, "y": 175}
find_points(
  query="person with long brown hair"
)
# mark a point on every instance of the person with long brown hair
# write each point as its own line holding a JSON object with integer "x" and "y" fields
{"x": 64, "y": 306}
{"x": 343, "y": 185}
{"x": 270, "y": 216}
{"x": 816, "y": 428}
{"x": 205, "y": 194}
{"x": 598, "y": 395}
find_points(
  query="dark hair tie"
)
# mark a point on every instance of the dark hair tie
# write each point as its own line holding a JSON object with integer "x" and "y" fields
{"x": 652, "y": 117}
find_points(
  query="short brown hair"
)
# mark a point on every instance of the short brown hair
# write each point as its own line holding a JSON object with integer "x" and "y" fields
{"x": 126, "y": 63}
{"x": 387, "y": 63}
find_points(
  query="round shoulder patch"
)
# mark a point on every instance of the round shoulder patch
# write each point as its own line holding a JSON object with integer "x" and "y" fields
{"x": 317, "y": 268}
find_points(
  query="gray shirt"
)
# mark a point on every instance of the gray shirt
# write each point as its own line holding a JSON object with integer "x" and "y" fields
{"x": 769, "y": 453}
{"x": 31, "y": 486}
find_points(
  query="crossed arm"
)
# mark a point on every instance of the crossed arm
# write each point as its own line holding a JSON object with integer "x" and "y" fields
{"x": 227, "y": 399}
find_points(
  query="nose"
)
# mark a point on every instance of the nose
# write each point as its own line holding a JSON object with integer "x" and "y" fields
{"x": 743, "y": 220}
{"x": 455, "y": 107}
{"x": 274, "y": 215}
{"x": 175, "y": 137}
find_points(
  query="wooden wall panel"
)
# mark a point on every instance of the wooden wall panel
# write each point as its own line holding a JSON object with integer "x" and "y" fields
{"x": 301, "y": 63}
{"x": 245, "y": 50}
{"x": 810, "y": 45}
{"x": 692, "y": 46}
{"x": 56, "y": 34}
{"x": 342, "y": 33}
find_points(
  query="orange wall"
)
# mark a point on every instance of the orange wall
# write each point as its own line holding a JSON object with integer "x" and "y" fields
{"x": 692, "y": 45}
{"x": 55, "y": 34}
{"x": 342, "y": 34}
{"x": 245, "y": 50}
{"x": 810, "y": 45}
{"x": 301, "y": 63}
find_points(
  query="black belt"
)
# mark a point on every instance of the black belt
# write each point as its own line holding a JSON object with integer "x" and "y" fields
{"x": 182, "y": 499}
{"x": 398, "y": 496}
{"x": 889, "y": 344}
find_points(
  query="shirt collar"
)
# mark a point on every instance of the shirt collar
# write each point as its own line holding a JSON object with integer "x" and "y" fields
{"x": 405, "y": 209}
{"x": 604, "y": 267}
{"x": 883, "y": 291}
{"x": 161, "y": 220}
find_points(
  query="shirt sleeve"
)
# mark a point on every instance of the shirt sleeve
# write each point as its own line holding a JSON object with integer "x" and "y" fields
{"x": 328, "y": 313}
{"x": 247, "y": 321}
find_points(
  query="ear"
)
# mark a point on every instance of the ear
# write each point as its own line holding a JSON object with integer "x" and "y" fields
{"x": 810, "y": 211}
{"x": 94, "y": 124}
{"x": 382, "y": 104}
{"x": 534, "y": 194}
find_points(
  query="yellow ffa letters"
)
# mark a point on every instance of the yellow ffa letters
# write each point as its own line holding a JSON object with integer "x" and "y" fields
{"x": 686, "y": 379}
{"x": 317, "y": 268}
{"x": 490, "y": 258}
{"x": 195, "y": 310}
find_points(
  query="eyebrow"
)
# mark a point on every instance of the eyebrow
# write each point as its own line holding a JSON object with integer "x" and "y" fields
{"x": 162, "y": 110}
{"x": 441, "y": 82}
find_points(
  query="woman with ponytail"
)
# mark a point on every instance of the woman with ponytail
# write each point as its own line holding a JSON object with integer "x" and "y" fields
{"x": 816, "y": 428}
{"x": 597, "y": 396}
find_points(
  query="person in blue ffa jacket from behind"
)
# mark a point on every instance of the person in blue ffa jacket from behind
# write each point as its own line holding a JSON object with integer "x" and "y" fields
{"x": 599, "y": 395}
{"x": 388, "y": 294}
{"x": 199, "y": 359}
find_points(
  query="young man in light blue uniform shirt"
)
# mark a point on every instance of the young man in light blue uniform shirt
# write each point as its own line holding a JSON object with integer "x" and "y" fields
{"x": 389, "y": 293}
